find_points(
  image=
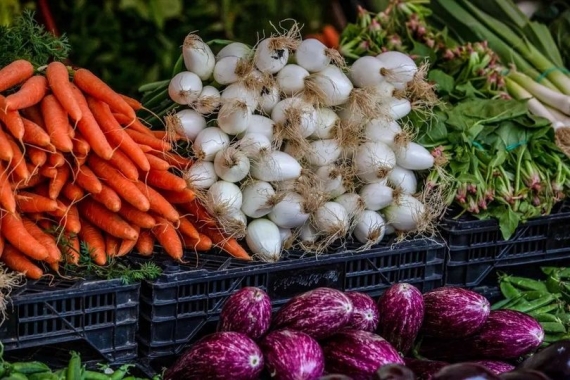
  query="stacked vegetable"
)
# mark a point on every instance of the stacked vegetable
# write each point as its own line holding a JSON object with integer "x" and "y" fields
{"x": 328, "y": 331}
{"x": 79, "y": 172}
{"x": 306, "y": 152}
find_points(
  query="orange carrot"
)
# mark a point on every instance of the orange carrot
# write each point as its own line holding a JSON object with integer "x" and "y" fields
{"x": 48, "y": 172}
{"x": 38, "y": 157}
{"x": 15, "y": 260}
{"x": 56, "y": 159}
{"x": 108, "y": 198}
{"x": 158, "y": 204}
{"x": 168, "y": 238}
{"x": 146, "y": 148}
{"x": 186, "y": 228}
{"x": 6, "y": 153}
{"x": 34, "y": 134}
{"x": 69, "y": 219}
{"x": 7, "y": 199}
{"x": 87, "y": 180}
{"x": 32, "y": 202}
{"x": 58, "y": 79}
{"x": 177, "y": 197}
{"x": 136, "y": 125}
{"x": 164, "y": 135}
{"x": 128, "y": 191}
{"x": 59, "y": 181}
{"x": 14, "y": 231}
{"x": 14, "y": 73}
{"x": 18, "y": 163}
{"x": 116, "y": 136}
{"x": 151, "y": 141}
{"x": 331, "y": 36}
{"x": 157, "y": 163}
{"x": 57, "y": 123}
{"x": 2, "y": 244}
{"x": 128, "y": 245}
{"x": 145, "y": 243}
{"x": 124, "y": 164}
{"x": 174, "y": 159}
{"x": 133, "y": 103}
{"x": 72, "y": 192}
{"x": 106, "y": 220}
{"x": 95, "y": 242}
{"x": 31, "y": 92}
{"x": 34, "y": 113}
{"x": 94, "y": 86}
{"x": 136, "y": 217}
{"x": 112, "y": 244}
{"x": 71, "y": 249}
{"x": 201, "y": 244}
{"x": 48, "y": 241}
{"x": 199, "y": 214}
{"x": 90, "y": 130}
{"x": 34, "y": 180}
{"x": 81, "y": 147}
{"x": 164, "y": 180}
{"x": 12, "y": 120}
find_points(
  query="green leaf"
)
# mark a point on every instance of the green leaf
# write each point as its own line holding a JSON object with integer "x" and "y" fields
{"x": 444, "y": 82}
{"x": 508, "y": 222}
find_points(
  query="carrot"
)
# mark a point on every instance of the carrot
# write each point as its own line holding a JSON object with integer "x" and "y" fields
{"x": 151, "y": 141}
{"x": 165, "y": 180}
{"x": 112, "y": 244}
{"x": 116, "y": 136}
{"x": 87, "y": 180}
{"x": 176, "y": 197}
{"x": 128, "y": 245}
{"x": 106, "y": 220}
{"x": 14, "y": 73}
{"x": 70, "y": 248}
{"x": 14, "y": 231}
{"x": 136, "y": 125}
{"x": 158, "y": 204}
{"x": 90, "y": 130}
{"x": 6, "y": 153}
{"x": 199, "y": 213}
{"x": 94, "y": 86}
{"x": 34, "y": 134}
{"x": 157, "y": 163}
{"x": 58, "y": 79}
{"x": 38, "y": 157}
{"x": 146, "y": 148}
{"x": 48, "y": 241}
{"x": 81, "y": 148}
{"x": 18, "y": 163}
{"x": 126, "y": 189}
{"x": 125, "y": 165}
{"x": 133, "y": 103}
{"x": 69, "y": 219}
{"x": 108, "y": 198}
{"x": 18, "y": 262}
{"x": 186, "y": 228}
{"x": 48, "y": 172}
{"x": 12, "y": 120}
{"x": 95, "y": 242}
{"x": 72, "y": 192}
{"x": 34, "y": 180}
{"x": 57, "y": 123}
{"x": 164, "y": 135}
{"x": 201, "y": 244}
{"x": 59, "y": 181}
{"x": 175, "y": 160}
{"x": 136, "y": 217}
{"x": 32, "y": 202}
{"x": 56, "y": 159}
{"x": 7, "y": 199}
{"x": 168, "y": 238}
{"x": 331, "y": 36}
{"x": 145, "y": 243}
{"x": 31, "y": 93}
{"x": 34, "y": 113}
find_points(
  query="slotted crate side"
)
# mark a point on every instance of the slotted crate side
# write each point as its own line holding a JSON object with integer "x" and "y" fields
{"x": 176, "y": 307}
{"x": 101, "y": 313}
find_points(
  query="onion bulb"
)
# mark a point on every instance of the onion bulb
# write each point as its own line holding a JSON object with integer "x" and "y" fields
{"x": 406, "y": 214}
{"x": 208, "y": 101}
{"x": 332, "y": 219}
{"x": 231, "y": 164}
{"x": 403, "y": 179}
{"x": 252, "y": 144}
{"x": 413, "y": 156}
{"x": 367, "y": 72}
{"x": 327, "y": 121}
{"x": 332, "y": 85}
{"x": 373, "y": 161}
{"x": 225, "y": 196}
{"x": 209, "y": 142}
{"x": 312, "y": 55}
{"x": 400, "y": 67}
{"x": 184, "y": 87}
{"x": 264, "y": 240}
{"x": 270, "y": 58}
{"x": 376, "y": 196}
{"x": 370, "y": 227}
{"x": 382, "y": 130}
{"x": 296, "y": 113}
{"x": 234, "y": 49}
{"x": 201, "y": 175}
{"x": 323, "y": 152}
{"x": 291, "y": 79}
{"x": 257, "y": 199}
{"x": 352, "y": 202}
{"x": 188, "y": 123}
{"x": 275, "y": 166}
{"x": 289, "y": 212}
{"x": 198, "y": 57}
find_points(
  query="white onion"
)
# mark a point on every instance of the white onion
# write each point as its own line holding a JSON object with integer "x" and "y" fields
{"x": 308, "y": 115}
{"x": 234, "y": 118}
{"x": 389, "y": 230}
{"x": 366, "y": 72}
{"x": 399, "y": 108}
{"x": 226, "y": 195}
{"x": 209, "y": 142}
{"x": 329, "y": 177}
{"x": 275, "y": 166}
{"x": 348, "y": 116}
{"x": 403, "y": 179}
{"x": 231, "y": 165}
{"x": 256, "y": 199}
{"x": 260, "y": 124}
{"x": 382, "y": 130}
{"x": 323, "y": 152}
{"x": 286, "y": 234}
{"x": 352, "y": 202}
{"x": 190, "y": 123}
{"x": 264, "y": 240}
{"x": 235, "y": 49}
{"x": 291, "y": 79}
{"x": 406, "y": 214}
{"x": 332, "y": 218}
{"x": 225, "y": 70}
{"x": 334, "y": 84}
{"x": 373, "y": 161}
{"x": 311, "y": 55}
{"x": 201, "y": 175}
{"x": 239, "y": 92}
{"x": 370, "y": 227}
{"x": 376, "y": 196}
{"x": 184, "y": 87}
{"x": 308, "y": 234}
{"x": 253, "y": 143}
{"x": 384, "y": 90}
{"x": 268, "y": 60}
{"x": 268, "y": 98}
{"x": 208, "y": 100}
{"x": 413, "y": 156}
{"x": 327, "y": 120}
{"x": 198, "y": 57}
{"x": 401, "y": 67}
{"x": 289, "y": 212}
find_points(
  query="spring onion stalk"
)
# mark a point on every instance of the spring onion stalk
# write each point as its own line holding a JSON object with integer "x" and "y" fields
{"x": 534, "y": 105}
{"x": 552, "y": 98}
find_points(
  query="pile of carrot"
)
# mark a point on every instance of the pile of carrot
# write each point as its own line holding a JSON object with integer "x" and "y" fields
{"x": 76, "y": 164}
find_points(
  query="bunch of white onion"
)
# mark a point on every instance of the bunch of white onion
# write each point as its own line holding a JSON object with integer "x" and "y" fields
{"x": 295, "y": 148}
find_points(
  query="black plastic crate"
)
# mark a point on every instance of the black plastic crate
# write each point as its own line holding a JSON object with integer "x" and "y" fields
{"x": 476, "y": 247}
{"x": 102, "y": 314}
{"x": 184, "y": 303}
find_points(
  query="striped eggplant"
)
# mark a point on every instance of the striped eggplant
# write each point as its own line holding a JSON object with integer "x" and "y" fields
{"x": 247, "y": 311}
{"x": 495, "y": 366}
{"x": 454, "y": 312}
{"x": 319, "y": 312}
{"x": 424, "y": 369}
{"x": 222, "y": 356}
{"x": 292, "y": 355}
{"x": 401, "y": 310}
{"x": 364, "y": 313}
{"x": 358, "y": 354}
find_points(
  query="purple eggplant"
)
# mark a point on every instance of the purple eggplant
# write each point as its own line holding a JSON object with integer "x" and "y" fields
{"x": 364, "y": 313}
